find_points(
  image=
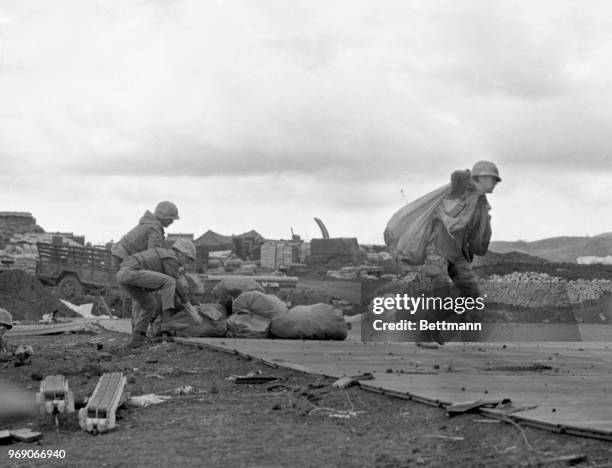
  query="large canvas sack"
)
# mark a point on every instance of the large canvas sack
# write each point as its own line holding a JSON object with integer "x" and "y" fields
{"x": 212, "y": 311}
{"x": 230, "y": 288}
{"x": 310, "y": 322}
{"x": 247, "y": 325}
{"x": 183, "y": 325}
{"x": 264, "y": 305}
{"x": 409, "y": 230}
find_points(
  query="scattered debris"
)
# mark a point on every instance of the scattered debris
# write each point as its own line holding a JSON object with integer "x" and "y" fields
{"x": 427, "y": 345}
{"x": 467, "y": 406}
{"x": 349, "y": 381}
{"x": 260, "y": 379}
{"x": 312, "y": 392}
{"x": 83, "y": 310}
{"x": 26, "y": 435}
{"x": 535, "y": 367}
{"x": 253, "y": 377}
{"x": 569, "y": 459}
{"x": 438, "y": 436}
{"x": 49, "y": 318}
{"x": 147, "y": 400}
{"x": 96, "y": 344}
{"x": 340, "y": 413}
{"x": 23, "y": 354}
{"x": 154, "y": 375}
{"x": 6, "y": 438}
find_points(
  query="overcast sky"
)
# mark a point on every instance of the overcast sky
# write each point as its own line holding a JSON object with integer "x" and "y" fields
{"x": 264, "y": 113}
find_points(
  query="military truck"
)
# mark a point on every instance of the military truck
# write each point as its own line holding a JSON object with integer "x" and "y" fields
{"x": 73, "y": 269}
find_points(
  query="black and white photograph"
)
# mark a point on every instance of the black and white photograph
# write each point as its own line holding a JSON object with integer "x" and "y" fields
{"x": 291, "y": 233}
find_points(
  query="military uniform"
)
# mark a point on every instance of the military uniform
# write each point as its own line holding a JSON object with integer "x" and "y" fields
{"x": 461, "y": 229}
{"x": 149, "y": 233}
{"x": 144, "y": 273}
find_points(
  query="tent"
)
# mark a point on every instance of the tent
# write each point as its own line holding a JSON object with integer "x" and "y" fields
{"x": 213, "y": 242}
{"x": 248, "y": 245}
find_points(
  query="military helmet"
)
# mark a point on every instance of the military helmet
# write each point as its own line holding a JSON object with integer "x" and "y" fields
{"x": 185, "y": 246}
{"x": 166, "y": 210}
{"x": 6, "y": 318}
{"x": 486, "y": 168}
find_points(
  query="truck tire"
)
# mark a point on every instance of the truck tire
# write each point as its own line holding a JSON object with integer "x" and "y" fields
{"x": 69, "y": 288}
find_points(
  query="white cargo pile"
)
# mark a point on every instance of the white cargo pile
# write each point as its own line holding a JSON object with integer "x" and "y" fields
{"x": 19, "y": 257}
{"x": 33, "y": 237}
{"x": 352, "y": 272}
{"x": 532, "y": 289}
{"x": 584, "y": 290}
{"x": 21, "y": 253}
{"x": 275, "y": 254}
{"x": 346, "y": 273}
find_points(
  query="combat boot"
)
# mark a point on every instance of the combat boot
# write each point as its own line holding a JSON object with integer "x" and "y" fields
{"x": 138, "y": 339}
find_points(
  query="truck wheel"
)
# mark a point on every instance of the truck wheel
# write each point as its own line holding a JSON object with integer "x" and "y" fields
{"x": 69, "y": 288}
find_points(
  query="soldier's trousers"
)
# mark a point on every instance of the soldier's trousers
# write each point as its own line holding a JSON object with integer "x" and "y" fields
{"x": 115, "y": 262}
{"x": 460, "y": 272}
{"x": 140, "y": 284}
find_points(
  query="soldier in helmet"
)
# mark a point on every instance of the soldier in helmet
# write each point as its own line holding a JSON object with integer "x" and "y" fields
{"x": 462, "y": 229}
{"x": 156, "y": 270}
{"x": 147, "y": 234}
{"x": 6, "y": 323}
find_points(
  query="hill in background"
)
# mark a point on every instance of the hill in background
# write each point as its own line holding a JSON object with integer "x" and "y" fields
{"x": 495, "y": 258}
{"x": 559, "y": 249}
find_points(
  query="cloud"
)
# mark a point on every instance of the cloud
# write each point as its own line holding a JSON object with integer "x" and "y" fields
{"x": 299, "y": 107}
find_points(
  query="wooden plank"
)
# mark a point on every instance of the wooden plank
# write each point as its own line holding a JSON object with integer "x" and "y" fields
{"x": 36, "y": 330}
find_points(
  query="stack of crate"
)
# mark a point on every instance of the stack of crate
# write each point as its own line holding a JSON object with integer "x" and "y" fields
{"x": 304, "y": 253}
{"x": 25, "y": 262}
{"x": 268, "y": 255}
{"x": 278, "y": 253}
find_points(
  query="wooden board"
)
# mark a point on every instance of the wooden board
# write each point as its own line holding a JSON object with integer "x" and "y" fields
{"x": 34, "y": 330}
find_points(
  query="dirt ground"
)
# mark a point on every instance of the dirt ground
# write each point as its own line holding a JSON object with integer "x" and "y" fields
{"x": 287, "y": 423}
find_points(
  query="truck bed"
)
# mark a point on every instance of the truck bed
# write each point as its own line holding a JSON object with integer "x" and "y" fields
{"x": 91, "y": 265}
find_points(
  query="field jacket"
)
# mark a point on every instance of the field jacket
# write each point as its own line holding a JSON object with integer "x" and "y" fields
{"x": 463, "y": 223}
{"x": 160, "y": 260}
{"x": 148, "y": 234}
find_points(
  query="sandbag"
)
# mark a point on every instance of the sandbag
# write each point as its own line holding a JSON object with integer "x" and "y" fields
{"x": 183, "y": 325}
{"x": 309, "y": 322}
{"x": 257, "y": 303}
{"x": 212, "y": 311}
{"x": 409, "y": 230}
{"x": 247, "y": 325}
{"x": 231, "y": 288}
